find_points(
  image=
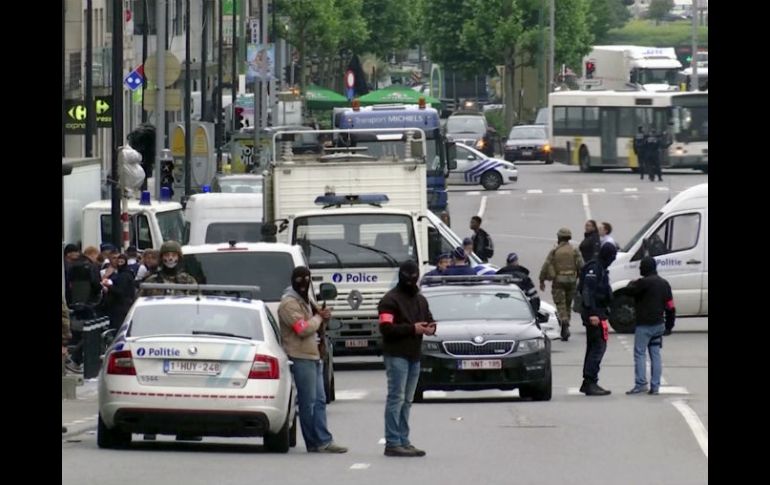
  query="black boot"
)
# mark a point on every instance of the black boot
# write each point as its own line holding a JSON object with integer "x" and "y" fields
{"x": 593, "y": 389}
{"x": 564, "y": 330}
{"x": 584, "y": 386}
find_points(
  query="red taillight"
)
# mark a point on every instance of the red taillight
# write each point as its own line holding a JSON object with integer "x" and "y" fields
{"x": 121, "y": 363}
{"x": 264, "y": 367}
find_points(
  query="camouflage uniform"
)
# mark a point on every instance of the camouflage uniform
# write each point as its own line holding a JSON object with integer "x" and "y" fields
{"x": 166, "y": 275}
{"x": 562, "y": 266}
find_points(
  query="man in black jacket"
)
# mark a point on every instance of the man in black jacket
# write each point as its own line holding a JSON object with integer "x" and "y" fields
{"x": 482, "y": 243}
{"x": 596, "y": 292}
{"x": 404, "y": 319}
{"x": 653, "y": 299}
{"x": 521, "y": 279}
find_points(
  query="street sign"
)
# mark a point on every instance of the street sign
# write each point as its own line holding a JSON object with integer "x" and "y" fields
{"x": 75, "y": 114}
{"x": 134, "y": 79}
{"x": 173, "y": 69}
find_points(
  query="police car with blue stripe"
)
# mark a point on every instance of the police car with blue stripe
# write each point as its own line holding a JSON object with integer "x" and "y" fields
{"x": 474, "y": 168}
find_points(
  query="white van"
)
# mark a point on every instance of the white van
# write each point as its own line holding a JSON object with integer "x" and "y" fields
{"x": 221, "y": 217}
{"x": 677, "y": 237}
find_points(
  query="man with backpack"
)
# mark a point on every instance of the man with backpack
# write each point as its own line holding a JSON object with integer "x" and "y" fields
{"x": 482, "y": 241}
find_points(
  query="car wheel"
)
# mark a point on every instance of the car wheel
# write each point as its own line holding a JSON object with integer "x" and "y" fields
{"x": 491, "y": 180}
{"x": 541, "y": 391}
{"x": 111, "y": 438}
{"x": 585, "y": 159}
{"x": 293, "y": 433}
{"x": 280, "y": 441}
{"x": 623, "y": 314}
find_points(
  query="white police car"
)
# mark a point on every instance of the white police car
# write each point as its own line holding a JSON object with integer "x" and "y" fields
{"x": 197, "y": 365}
{"x": 473, "y": 168}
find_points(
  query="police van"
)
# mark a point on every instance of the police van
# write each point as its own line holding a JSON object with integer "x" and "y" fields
{"x": 221, "y": 217}
{"x": 677, "y": 237}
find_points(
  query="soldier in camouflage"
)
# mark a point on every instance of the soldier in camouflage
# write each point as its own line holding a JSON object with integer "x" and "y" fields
{"x": 169, "y": 270}
{"x": 562, "y": 267}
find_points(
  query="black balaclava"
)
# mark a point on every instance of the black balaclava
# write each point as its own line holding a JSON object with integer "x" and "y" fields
{"x": 408, "y": 276}
{"x": 647, "y": 266}
{"x": 607, "y": 254}
{"x": 300, "y": 281}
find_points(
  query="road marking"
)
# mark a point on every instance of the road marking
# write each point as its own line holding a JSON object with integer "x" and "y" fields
{"x": 566, "y": 191}
{"x": 695, "y": 424}
{"x": 475, "y": 192}
{"x": 661, "y": 189}
{"x": 598, "y": 190}
{"x": 630, "y": 189}
{"x": 585, "y": 207}
{"x": 359, "y": 466}
{"x": 504, "y": 192}
{"x": 534, "y": 191}
{"x": 381, "y": 442}
{"x": 482, "y": 394}
{"x": 575, "y": 391}
{"x": 482, "y": 207}
{"x": 350, "y": 395}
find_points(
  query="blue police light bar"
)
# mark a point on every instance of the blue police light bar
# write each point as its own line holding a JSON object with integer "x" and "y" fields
{"x": 206, "y": 189}
{"x": 330, "y": 200}
{"x": 145, "y": 198}
{"x": 165, "y": 194}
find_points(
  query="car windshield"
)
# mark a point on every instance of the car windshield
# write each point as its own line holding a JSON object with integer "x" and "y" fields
{"x": 356, "y": 240}
{"x": 171, "y": 225}
{"x": 466, "y": 124}
{"x": 641, "y": 232}
{"x": 271, "y": 271}
{"x": 526, "y": 133}
{"x": 219, "y": 232}
{"x": 466, "y": 304}
{"x": 195, "y": 318}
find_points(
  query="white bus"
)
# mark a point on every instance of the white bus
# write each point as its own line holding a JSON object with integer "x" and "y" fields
{"x": 595, "y": 129}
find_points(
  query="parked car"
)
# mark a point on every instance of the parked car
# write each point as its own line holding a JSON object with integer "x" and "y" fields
{"x": 473, "y": 168}
{"x": 487, "y": 338}
{"x": 528, "y": 142}
{"x": 198, "y": 365}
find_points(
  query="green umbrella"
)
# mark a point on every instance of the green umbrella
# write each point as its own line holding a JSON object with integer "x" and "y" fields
{"x": 318, "y": 98}
{"x": 397, "y": 94}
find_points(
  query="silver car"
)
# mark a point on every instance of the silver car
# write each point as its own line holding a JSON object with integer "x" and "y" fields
{"x": 197, "y": 365}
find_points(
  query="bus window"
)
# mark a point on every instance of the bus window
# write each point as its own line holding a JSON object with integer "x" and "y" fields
{"x": 574, "y": 118}
{"x": 591, "y": 118}
{"x": 559, "y": 118}
{"x": 627, "y": 123}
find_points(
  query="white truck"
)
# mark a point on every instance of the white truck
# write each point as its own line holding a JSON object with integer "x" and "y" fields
{"x": 334, "y": 207}
{"x": 610, "y": 67}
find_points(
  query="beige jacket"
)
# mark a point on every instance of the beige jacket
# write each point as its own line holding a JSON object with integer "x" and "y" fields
{"x": 298, "y": 326}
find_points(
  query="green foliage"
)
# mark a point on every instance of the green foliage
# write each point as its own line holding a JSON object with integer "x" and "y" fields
{"x": 391, "y": 24}
{"x": 606, "y": 15}
{"x": 659, "y": 8}
{"x": 642, "y": 32}
{"x": 442, "y": 34}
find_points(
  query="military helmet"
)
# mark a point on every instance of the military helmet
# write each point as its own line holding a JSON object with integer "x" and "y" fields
{"x": 564, "y": 232}
{"x": 170, "y": 247}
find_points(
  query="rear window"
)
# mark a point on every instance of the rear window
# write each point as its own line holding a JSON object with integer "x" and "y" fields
{"x": 219, "y": 232}
{"x": 271, "y": 271}
{"x": 196, "y": 318}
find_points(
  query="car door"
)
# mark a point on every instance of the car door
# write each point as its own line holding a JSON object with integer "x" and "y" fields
{"x": 704, "y": 296}
{"x": 465, "y": 161}
{"x": 678, "y": 246}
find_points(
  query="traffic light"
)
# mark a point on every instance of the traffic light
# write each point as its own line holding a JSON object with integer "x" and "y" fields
{"x": 590, "y": 68}
{"x": 167, "y": 173}
{"x": 238, "y": 118}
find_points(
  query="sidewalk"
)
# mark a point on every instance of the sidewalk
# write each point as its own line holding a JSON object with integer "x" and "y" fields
{"x": 80, "y": 415}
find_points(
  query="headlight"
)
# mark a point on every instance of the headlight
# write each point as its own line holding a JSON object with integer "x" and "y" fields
{"x": 431, "y": 347}
{"x": 480, "y": 144}
{"x": 546, "y": 148}
{"x": 531, "y": 345}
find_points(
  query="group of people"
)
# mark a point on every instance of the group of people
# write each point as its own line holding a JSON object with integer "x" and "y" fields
{"x": 649, "y": 147}
{"x": 582, "y": 273}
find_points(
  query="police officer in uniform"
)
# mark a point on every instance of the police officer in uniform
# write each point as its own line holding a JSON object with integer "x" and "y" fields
{"x": 562, "y": 266}
{"x": 521, "y": 279}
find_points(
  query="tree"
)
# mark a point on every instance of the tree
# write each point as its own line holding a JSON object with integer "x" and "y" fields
{"x": 606, "y": 15}
{"x": 658, "y": 9}
{"x": 442, "y": 33}
{"x": 391, "y": 24}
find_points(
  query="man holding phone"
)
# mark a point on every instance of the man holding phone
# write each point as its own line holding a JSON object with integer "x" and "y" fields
{"x": 404, "y": 319}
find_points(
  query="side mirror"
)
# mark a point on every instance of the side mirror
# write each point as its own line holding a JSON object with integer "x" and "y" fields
{"x": 327, "y": 292}
{"x": 542, "y": 317}
{"x": 269, "y": 230}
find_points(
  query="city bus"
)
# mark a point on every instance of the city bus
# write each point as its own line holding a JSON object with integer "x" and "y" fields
{"x": 439, "y": 159}
{"x": 595, "y": 129}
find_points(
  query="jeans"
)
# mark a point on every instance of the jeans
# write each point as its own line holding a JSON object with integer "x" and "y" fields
{"x": 402, "y": 382}
{"x": 595, "y": 348}
{"x": 308, "y": 377}
{"x": 648, "y": 337}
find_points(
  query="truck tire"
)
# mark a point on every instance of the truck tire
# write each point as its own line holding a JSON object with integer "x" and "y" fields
{"x": 623, "y": 314}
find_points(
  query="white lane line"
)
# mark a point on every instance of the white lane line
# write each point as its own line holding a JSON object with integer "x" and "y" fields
{"x": 504, "y": 192}
{"x": 566, "y": 191}
{"x": 381, "y": 442}
{"x": 482, "y": 206}
{"x": 350, "y": 395}
{"x": 475, "y": 192}
{"x": 534, "y": 191}
{"x": 598, "y": 190}
{"x": 630, "y": 189}
{"x": 661, "y": 189}
{"x": 585, "y": 207}
{"x": 575, "y": 391}
{"x": 360, "y": 466}
{"x": 695, "y": 424}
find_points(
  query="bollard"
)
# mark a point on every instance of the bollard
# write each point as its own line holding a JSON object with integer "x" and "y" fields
{"x": 92, "y": 345}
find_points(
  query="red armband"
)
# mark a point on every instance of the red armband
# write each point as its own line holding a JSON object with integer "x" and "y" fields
{"x": 299, "y": 326}
{"x": 670, "y": 304}
{"x": 386, "y": 318}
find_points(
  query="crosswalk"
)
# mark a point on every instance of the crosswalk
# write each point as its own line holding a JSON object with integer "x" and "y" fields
{"x": 569, "y": 191}
{"x": 363, "y": 394}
